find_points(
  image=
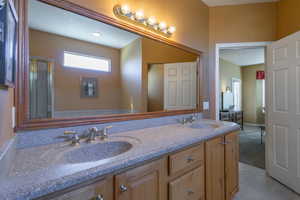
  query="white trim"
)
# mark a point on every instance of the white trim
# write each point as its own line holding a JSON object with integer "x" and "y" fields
{"x": 217, "y": 67}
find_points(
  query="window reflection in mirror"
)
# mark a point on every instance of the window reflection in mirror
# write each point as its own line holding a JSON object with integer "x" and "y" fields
{"x": 82, "y": 67}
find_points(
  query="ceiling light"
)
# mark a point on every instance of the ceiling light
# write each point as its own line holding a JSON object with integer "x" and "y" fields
{"x": 162, "y": 25}
{"x": 152, "y": 20}
{"x": 96, "y": 34}
{"x": 139, "y": 15}
{"x": 125, "y": 9}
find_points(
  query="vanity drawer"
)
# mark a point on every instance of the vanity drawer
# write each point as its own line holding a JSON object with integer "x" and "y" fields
{"x": 189, "y": 186}
{"x": 101, "y": 190}
{"x": 181, "y": 160}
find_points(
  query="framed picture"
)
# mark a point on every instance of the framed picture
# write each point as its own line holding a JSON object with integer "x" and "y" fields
{"x": 8, "y": 42}
{"x": 89, "y": 87}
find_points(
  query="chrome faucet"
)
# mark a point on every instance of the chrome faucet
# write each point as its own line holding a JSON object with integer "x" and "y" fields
{"x": 103, "y": 132}
{"x": 75, "y": 139}
{"x": 93, "y": 133}
{"x": 189, "y": 119}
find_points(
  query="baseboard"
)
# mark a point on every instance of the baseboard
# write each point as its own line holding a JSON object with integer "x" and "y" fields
{"x": 252, "y": 124}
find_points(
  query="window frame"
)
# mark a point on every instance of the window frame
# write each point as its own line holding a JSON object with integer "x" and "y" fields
{"x": 88, "y": 56}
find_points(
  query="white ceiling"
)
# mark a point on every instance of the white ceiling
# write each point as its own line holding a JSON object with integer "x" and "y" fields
{"x": 233, "y": 2}
{"x": 244, "y": 57}
{"x": 58, "y": 21}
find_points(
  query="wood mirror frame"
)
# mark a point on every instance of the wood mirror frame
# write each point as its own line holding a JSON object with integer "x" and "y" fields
{"x": 22, "y": 94}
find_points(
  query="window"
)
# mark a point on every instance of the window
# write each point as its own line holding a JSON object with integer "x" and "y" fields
{"x": 236, "y": 90}
{"x": 80, "y": 61}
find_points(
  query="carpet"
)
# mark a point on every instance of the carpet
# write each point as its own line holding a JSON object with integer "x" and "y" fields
{"x": 252, "y": 152}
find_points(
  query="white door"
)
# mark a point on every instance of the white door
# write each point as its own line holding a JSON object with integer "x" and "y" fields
{"x": 283, "y": 111}
{"x": 180, "y": 86}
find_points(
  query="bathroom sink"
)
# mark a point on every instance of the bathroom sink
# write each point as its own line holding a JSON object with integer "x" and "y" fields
{"x": 96, "y": 152}
{"x": 205, "y": 125}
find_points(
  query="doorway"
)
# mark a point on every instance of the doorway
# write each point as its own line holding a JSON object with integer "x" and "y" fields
{"x": 241, "y": 96}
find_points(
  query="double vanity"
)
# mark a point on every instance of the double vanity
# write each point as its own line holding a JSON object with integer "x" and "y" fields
{"x": 106, "y": 110}
{"x": 193, "y": 161}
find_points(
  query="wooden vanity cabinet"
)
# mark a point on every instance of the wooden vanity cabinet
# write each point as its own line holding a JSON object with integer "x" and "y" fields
{"x": 190, "y": 186}
{"x": 206, "y": 171}
{"x": 231, "y": 165}
{"x": 99, "y": 190}
{"x": 222, "y": 170}
{"x": 142, "y": 183}
{"x": 187, "y": 174}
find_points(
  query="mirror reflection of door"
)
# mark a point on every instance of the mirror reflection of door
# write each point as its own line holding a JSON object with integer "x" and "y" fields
{"x": 40, "y": 85}
{"x": 180, "y": 86}
{"x": 236, "y": 90}
{"x": 172, "y": 86}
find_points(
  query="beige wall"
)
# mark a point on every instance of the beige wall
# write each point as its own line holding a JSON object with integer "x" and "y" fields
{"x": 228, "y": 71}
{"x": 6, "y": 105}
{"x": 67, "y": 80}
{"x": 252, "y": 94}
{"x": 240, "y": 23}
{"x": 155, "y": 87}
{"x": 288, "y": 17}
{"x": 131, "y": 76}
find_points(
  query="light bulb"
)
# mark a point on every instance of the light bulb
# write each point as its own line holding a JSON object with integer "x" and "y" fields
{"x": 152, "y": 21}
{"x": 162, "y": 25}
{"x": 171, "y": 29}
{"x": 139, "y": 15}
{"x": 125, "y": 9}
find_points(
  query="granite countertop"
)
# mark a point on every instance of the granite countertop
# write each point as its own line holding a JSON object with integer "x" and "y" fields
{"x": 38, "y": 171}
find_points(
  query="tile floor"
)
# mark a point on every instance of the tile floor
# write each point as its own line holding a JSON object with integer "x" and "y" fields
{"x": 255, "y": 185}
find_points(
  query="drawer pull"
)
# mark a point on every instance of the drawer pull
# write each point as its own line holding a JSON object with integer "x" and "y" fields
{"x": 123, "y": 188}
{"x": 189, "y": 159}
{"x": 190, "y": 192}
{"x": 224, "y": 143}
{"x": 99, "y": 197}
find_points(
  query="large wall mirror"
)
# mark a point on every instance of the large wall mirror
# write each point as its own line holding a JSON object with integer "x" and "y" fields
{"x": 83, "y": 69}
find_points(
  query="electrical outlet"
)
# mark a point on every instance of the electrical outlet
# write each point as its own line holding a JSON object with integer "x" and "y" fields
{"x": 206, "y": 105}
{"x": 13, "y": 117}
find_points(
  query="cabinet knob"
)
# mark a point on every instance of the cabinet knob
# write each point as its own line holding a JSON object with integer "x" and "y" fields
{"x": 99, "y": 197}
{"x": 190, "y": 192}
{"x": 190, "y": 159}
{"x": 123, "y": 188}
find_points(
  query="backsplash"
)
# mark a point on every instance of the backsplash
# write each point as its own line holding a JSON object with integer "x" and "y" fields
{"x": 28, "y": 139}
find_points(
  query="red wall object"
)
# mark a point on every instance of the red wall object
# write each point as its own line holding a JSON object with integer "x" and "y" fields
{"x": 260, "y": 75}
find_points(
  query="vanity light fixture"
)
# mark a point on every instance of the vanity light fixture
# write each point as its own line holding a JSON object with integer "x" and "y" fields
{"x": 139, "y": 18}
{"x": 139, "y": 15}
{"x": 125, "y": 9}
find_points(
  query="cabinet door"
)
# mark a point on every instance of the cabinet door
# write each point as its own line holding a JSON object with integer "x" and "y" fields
{"x": 145, "y": 182}
{"x": 215, "y": 169}
{"x": 102, "y": 190}
{"x": 232, "y": 164}
{"x": 189, "y": 186}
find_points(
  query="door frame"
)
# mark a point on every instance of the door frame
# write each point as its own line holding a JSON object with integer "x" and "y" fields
{"x": 220, "y": 46}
